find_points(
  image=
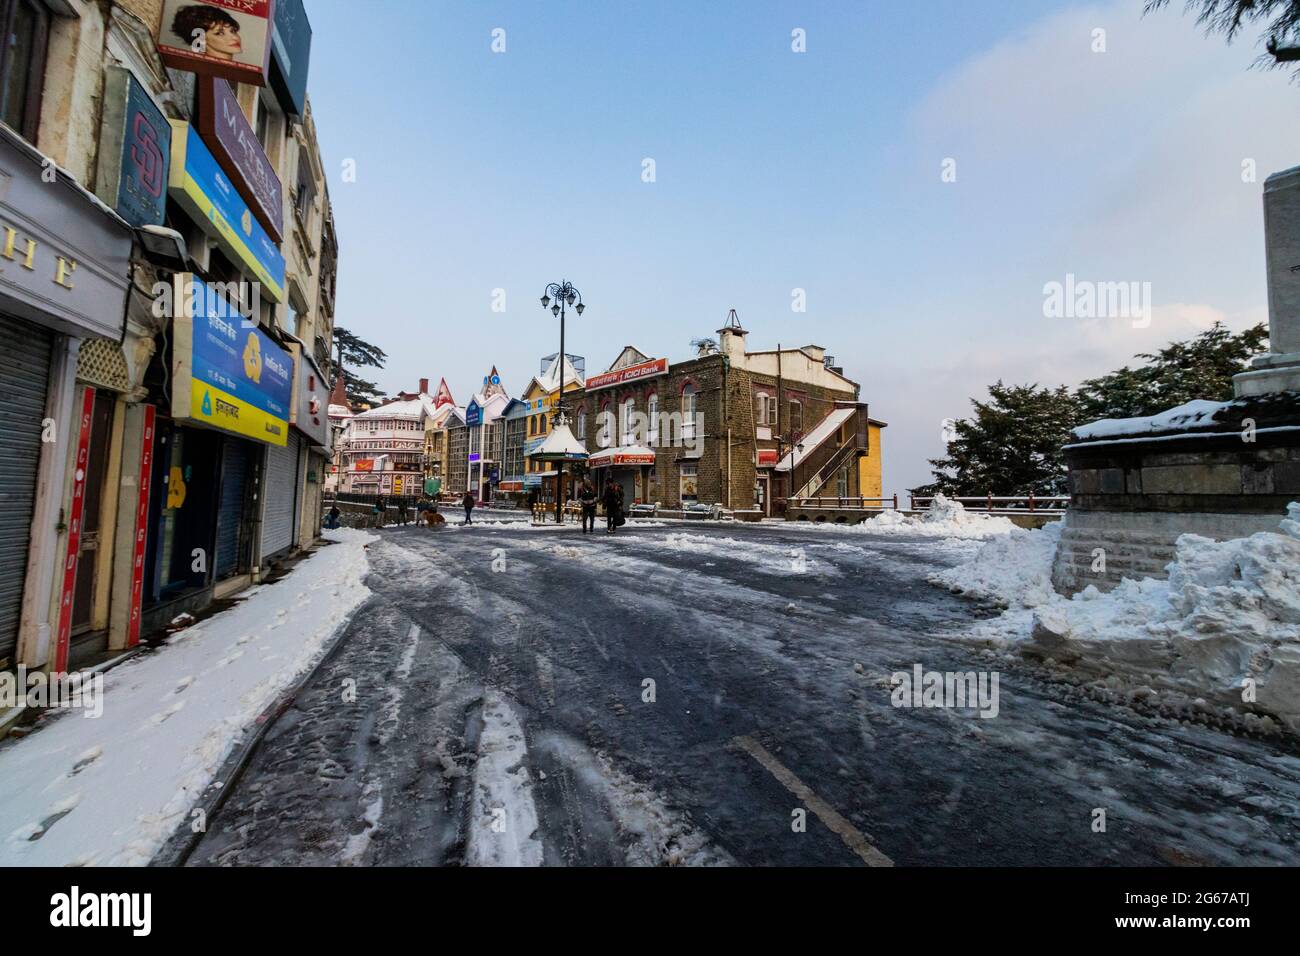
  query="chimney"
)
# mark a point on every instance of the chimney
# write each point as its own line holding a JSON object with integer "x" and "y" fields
{"x": 1278, "y": 369}
{"x": 731, "y": 338}
{"x": 424, "y": 386}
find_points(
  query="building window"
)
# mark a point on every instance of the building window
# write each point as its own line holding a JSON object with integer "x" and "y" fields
{"x": 842, "y": 482}
{"x": 652, "y": 412}
{"x": 689, "y": 483}
{"x": 688, "y": 412}
{"x": 22, "y": 63}
{"x": 305, "y": 193}
{"x": 582, "y": 424}
{"x": 796, "y": 417}
{"x": 627, "y": 434}
{"x": 760, "y": 408}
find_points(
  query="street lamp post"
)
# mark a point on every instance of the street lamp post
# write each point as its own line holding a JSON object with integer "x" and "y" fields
{"x": 564, "y": 296}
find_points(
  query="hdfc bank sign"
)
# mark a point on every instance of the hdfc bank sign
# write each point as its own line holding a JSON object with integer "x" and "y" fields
{"x": 633, "y": 373}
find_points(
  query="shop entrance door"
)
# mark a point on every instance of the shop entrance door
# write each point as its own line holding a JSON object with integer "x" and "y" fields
{"x": 101, "y": 433}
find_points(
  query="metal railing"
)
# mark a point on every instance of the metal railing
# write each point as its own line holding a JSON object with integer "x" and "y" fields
{"x": 999, "y": 504}
{"x": 857, "y": 502}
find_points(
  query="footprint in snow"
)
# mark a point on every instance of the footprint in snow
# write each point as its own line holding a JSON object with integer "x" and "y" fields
{"x": 163, "y": 715}
{"x": 85, "y": 760}
{"x": 183, "y": 684}
{"x": 60, "y": 810}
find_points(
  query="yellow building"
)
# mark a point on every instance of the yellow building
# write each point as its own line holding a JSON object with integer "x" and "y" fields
{"x": 541, "y": 396}
{"x": 870, "y": 475}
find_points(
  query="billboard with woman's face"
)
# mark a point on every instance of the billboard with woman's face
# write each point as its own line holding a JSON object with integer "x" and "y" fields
{"x": 227, "y": 38}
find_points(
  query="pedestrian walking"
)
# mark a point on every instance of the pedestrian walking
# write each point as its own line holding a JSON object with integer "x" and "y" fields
{"x": 613, "y": 501}
{"x": 468, "y": 504}
{"x": 380, "y": 511}
{"x": 402, "y": 513}
{"x": 332, "y": 518}
{"x": 587, "y": 498}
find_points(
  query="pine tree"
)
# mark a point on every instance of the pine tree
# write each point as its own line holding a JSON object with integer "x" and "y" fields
{"x": 1201, "y": 367}
{"x": 1279, "y": 20}
{"x": 1012, "y": 444}
{"x": 355, "y": 352}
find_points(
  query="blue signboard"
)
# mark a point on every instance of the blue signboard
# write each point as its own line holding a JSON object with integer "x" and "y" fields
{"x": 200, "y": 185}
{"x": 240, "y": 380}
{"x": 473, "y": 415}
{"x": 135, "y": 151}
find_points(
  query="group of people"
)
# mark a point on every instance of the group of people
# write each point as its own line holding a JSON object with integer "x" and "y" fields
{"x": 612, "y": 499}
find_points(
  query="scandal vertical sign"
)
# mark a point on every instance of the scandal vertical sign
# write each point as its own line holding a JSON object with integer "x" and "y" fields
{"x": 74, "y": 532}
{"x": 141, "y": 528}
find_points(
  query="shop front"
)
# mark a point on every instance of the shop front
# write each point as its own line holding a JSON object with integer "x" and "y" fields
{"x": 629, "y": 466}
{"x": 310, "y": 423}
{"x": 64, "y": 263}
{"x": 231, "y": 387}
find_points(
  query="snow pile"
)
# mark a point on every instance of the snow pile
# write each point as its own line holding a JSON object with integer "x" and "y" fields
{"x": 945, "y": 518}
{"x": 1193, "y": 414}
{"x": 109, "y": 791}
{"x": 1014, "y": 570}
{"x": 1224, "y": 627}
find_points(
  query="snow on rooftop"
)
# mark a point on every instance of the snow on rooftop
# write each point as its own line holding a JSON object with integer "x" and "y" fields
{"x": 1195, "y": 413}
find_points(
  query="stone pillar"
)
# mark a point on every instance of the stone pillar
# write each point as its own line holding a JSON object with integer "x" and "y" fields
{"x": 1279, "y": 369}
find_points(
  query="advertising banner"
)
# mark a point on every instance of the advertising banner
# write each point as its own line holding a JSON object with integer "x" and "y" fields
{"x": 290, "y": 55}
{"x": 198, "y": 183}
{"x": 633, "y": 373}
{"x": 134, "y": 152}
{"x": 228, "y": 373}
{"x": 240, "y": 153}
{"x": 227, "y": 38}
{"x": 64, "y": 636}
{"x": 473, "y": 415}
{"x": 141, "y": 527}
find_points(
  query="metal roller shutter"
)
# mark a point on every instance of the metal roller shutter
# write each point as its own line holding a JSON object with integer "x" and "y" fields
{"x": 24, "y": 384}
{"x": 281, "y": 487}
{"x": 235, "y": 465}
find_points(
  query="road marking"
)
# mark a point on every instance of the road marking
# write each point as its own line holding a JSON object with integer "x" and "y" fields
{"x": 845, "y": 830}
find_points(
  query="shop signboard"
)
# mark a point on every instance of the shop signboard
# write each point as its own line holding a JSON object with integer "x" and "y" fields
{"x": 633, "y": 373}
{"x": 141, "y": 526}
{"x": 198, "y": 183}
{"x": 134, "y": 150}
{"x": 228, "y": 38}
{"x": 240, "y": 154}
{"x": 64, "y": 634}
{"x": 228, "y": 373}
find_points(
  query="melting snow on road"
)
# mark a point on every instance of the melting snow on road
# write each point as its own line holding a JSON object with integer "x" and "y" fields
{"x": 503, "y": 821}
{"x": 109, "y": 791}
{"x": 1224, "y": 626}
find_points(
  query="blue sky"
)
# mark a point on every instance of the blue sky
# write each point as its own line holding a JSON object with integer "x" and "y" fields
{"x": 777, "y": 171}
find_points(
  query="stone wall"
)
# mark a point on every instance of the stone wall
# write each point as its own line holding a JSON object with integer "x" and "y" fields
{"x": 1131, "y": 498}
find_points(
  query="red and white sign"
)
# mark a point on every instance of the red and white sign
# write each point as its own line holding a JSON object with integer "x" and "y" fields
{"x": 766, "y": 456}
{"x": 74, "y": 532}
{"x": 228, "y": 38}
{"x": 141, "y": 528}
{"x": 633, "y": 373}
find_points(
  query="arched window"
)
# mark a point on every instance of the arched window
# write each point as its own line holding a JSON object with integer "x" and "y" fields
{"x": 652, "y": 413}
{"x": 796, "y": 417}
{"x": 582, "y": 423}
{"x": 626, "y": 432}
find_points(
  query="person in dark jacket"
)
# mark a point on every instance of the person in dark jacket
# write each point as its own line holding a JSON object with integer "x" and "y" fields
{"x": 468, "y": 504}
{"x": 403, "y": 511}
{"x": 613, "y": 502}
{"x": 332, "y": 519}
{"x": 587, "y": 498}
{"x": 380, "y": 511}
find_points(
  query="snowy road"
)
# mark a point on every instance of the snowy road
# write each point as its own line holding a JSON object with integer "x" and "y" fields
{"x": 489, "y": 706}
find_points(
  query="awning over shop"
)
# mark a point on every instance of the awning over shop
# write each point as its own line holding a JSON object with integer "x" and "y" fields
{"x": 622, "y": 456}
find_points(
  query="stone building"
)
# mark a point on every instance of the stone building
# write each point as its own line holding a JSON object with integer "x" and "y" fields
{"x": 731, "y": 427}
